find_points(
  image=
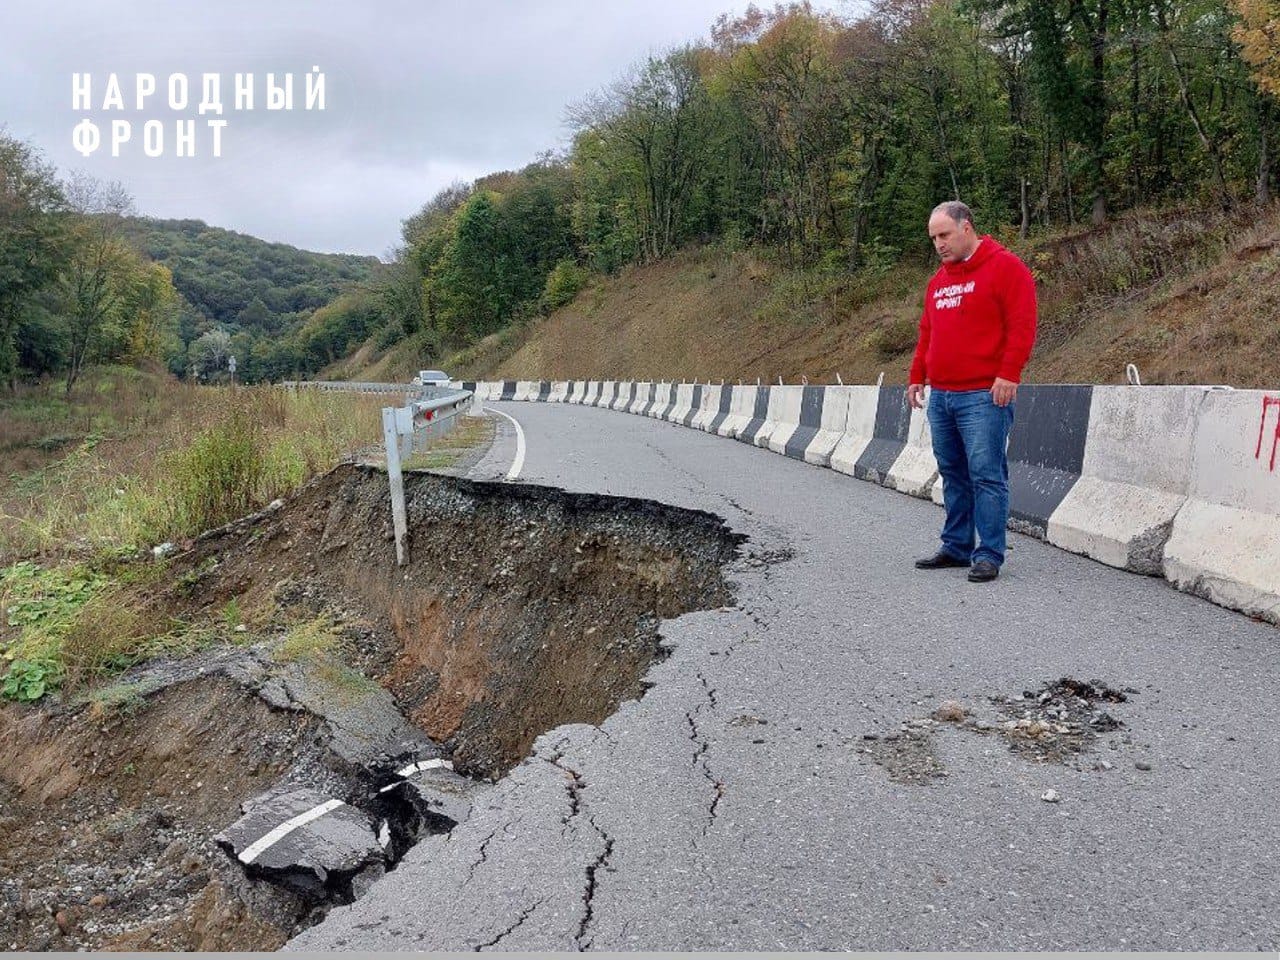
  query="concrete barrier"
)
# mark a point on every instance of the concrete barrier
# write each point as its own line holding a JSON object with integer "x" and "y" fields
{"x": 721, "y": 414}
{"x": 664, "y": 397}
{"x": 577, "y": 388}
{"x": 526, "y": 390}
{"x": 1134, "y": 477}
{"x": 759, "y": 415}
{"x": 1225, "y": 542}
{"x": 859, "y": 428}
{"x": 813, "y": 402}
{"x": 695, "y": 399}
{"x": 785, "y": 404}
{"x": 683, "y": 403}
{"x": 820, "y": 442}
{"x": 591, "y": 393}
{"x": 708, "y": 405}
{"x": 644, "y": 397}
{"x": 608, "y": 390}
{"x": 508, "y": 390}
{"x": 889, "y": 437}
{"x": 1046, "y": 451}
{"x": 622, "y": 399}
{"x": 915, "y": 472}
{"x": 742, "y": 404}
{"x": 559, "y": 391}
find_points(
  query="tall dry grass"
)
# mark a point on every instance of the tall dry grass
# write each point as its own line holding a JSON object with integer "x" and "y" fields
{"x": 199, "y": 457}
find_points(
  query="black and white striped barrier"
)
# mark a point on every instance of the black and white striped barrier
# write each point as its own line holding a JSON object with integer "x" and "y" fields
{"x": 1181, "y": 481}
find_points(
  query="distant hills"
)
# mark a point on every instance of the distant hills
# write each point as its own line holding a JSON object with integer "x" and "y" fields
{"x": 262, "y": 294}
{"x": 244, "y": 283}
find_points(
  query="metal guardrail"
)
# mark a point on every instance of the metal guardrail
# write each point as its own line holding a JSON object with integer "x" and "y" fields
{"x": 407, "y": 430}
{"x": 349, "y": 386}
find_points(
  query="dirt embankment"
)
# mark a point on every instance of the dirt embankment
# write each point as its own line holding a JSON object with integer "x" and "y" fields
{"x": 522, "y": 608}
{"x": 1190, "y": 296}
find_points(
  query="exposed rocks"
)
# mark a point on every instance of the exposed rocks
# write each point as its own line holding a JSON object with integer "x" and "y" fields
{"x": 949, "y": 711}
{"x": 1059, "y": 720}
{"x": 522, "y": 608}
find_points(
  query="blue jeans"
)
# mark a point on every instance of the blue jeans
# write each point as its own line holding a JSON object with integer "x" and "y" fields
{"x": 970, "y": 438}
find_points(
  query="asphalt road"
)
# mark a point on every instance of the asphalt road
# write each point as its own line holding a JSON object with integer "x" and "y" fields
{"x": 733, "y": 807}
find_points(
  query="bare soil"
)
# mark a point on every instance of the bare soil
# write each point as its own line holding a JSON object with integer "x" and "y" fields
{"x": 1205, "y": 316}
{"x": 521, "y": 608}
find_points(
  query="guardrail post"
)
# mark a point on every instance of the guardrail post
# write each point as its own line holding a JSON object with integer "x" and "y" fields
{"x": 391, "y": 438}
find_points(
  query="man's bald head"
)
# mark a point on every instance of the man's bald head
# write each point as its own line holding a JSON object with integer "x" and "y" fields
{"x": 952, "y": 232}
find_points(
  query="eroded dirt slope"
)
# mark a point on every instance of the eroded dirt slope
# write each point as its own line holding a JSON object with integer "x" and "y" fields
{"x": 521, "y": 608}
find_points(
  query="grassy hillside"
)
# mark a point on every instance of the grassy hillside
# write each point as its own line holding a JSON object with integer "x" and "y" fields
{"x": 1189, "y": 298}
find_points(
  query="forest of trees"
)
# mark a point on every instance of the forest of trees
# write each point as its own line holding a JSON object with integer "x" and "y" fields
{"x": 73, "y": 291}
{"x": 824, "y": 140}
{"x": 83, "y": 281}
{"x": 280, "y": 311}
{"x": 829, "y": 140}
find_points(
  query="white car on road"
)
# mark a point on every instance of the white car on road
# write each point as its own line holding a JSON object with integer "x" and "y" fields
{"x": 431, "y": 378}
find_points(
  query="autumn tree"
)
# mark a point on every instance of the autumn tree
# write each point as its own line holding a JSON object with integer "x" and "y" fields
{"x": 1258, "y": 34}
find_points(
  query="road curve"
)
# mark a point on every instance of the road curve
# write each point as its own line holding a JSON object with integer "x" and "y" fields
{"x": 734, "y": 807}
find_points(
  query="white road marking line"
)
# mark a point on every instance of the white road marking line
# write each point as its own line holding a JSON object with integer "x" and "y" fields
{"x": 271, "y": 838}
{"x": 413, "y": 768}
{"x": 518, "y": 463}
{"x": 421, "y": 765}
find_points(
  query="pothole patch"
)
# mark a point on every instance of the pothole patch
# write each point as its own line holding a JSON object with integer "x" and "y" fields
{"x": 1058, "y": 722}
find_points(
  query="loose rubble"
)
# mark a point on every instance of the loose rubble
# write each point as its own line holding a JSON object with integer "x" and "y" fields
{"x": 1054, "y": 724}
{"x": 130, "y": 822}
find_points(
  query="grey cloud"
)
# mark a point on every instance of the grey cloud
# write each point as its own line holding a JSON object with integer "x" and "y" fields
{"x": 418, "y": 94}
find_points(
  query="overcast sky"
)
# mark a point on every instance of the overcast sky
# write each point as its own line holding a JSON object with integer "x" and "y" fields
{"x": 418, "y": 93}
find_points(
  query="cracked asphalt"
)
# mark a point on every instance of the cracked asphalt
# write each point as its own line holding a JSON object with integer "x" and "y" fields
{"x": 736, "y": 806}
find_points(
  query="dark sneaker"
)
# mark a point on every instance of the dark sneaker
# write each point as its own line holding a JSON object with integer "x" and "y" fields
{"x": 940, "y": 560}
{"x": 983, "y": 570}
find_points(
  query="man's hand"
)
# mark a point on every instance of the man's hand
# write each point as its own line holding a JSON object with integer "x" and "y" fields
{"x": 915, "y": 395}
{"x": 1003, "y": 391}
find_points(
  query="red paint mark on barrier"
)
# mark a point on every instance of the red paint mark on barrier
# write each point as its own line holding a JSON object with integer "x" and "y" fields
{"x": 1267, "y": 404}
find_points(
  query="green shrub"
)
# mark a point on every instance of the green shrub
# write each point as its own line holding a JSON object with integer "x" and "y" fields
{"x": 563, "y": 284}
{"x": 893, "y": 336}
{"x": 28, "y": 680}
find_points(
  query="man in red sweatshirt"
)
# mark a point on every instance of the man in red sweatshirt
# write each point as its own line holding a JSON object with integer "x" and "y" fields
{"x": 976, "y": 333}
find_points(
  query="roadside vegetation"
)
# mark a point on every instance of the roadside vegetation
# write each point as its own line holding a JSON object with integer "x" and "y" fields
{"x": 125, "y": 464}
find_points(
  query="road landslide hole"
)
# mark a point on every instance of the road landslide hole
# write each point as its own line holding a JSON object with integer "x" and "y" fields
{"x": 522, "y": 608}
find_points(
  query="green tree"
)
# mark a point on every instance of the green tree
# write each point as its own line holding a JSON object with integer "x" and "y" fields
{"x": 653, "y": 128}
{"x": 33, "y": 243}
{"x": 469, "y": 280}
{"x": 98, "y": 278}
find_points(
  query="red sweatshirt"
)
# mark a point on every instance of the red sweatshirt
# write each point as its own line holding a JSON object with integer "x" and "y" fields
{"x": 979, "y": 321}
